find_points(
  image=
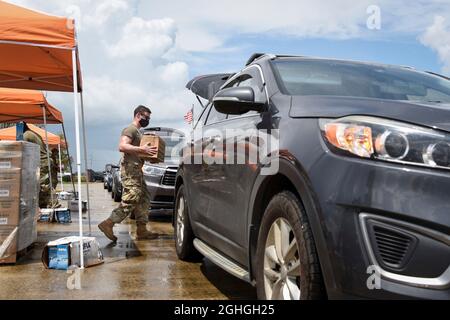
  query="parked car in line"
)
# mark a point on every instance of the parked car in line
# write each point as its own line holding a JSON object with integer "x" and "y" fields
{"x": 359, "y": 206}
{"x": 116, "y": 188}
{"x": 95, "y": 176}
{"x": 160, "y": 178}
{"x": 107, "y": 177}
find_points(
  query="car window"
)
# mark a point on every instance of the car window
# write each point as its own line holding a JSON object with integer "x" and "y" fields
{"x": 201, "y": 121}
{"x": 340, "y": 78}
{"x": 215, "y": 116}
{"x": 255, "y": 82}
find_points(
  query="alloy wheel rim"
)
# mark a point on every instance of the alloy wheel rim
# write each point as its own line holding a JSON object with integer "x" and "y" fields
{"x": 180, "y": 222}
{"x": 282, "y": 271}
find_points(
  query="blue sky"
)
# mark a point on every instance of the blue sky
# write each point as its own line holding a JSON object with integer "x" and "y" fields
{"x": 144, "y": 51}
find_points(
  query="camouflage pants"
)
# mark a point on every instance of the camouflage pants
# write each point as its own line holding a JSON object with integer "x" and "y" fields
{"x": 135, "y": 198}
{"x": 44, "y": 191}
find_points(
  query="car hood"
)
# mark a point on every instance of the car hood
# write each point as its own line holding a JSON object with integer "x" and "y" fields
{"x": 432, "y": 115}
{"x": 165, "y": 164}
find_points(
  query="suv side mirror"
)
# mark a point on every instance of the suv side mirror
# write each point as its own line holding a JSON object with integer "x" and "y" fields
{"x": 236, "y": 100}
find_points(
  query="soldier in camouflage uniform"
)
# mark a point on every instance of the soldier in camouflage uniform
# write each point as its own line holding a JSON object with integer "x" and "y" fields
{"x": 135, "y": 199}
{"x": 54, "y": 162}
{"x": 44, "y": 179}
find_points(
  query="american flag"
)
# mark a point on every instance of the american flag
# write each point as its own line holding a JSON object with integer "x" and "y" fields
{"x": 189, "y": 117}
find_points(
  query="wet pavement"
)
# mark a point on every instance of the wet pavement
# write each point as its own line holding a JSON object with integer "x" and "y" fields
{"x": 132, "y": 269}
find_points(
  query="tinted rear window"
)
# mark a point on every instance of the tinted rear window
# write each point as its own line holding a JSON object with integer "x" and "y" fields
{"x": 336, "y": 78}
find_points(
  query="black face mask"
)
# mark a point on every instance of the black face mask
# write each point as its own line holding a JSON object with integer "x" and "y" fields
{"x": 144, "y": 122}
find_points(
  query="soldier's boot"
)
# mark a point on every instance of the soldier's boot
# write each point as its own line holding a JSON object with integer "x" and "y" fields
{"x": 143, "y": 234}
{"x": 107, "y": 228}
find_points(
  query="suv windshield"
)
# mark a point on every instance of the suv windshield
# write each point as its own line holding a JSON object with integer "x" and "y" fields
{"x": 174, "y": 145}
{"x": 339, "y": 78}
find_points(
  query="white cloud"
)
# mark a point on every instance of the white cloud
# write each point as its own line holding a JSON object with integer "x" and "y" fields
{"x": 437, "y": 37}
{"x": 149, "y": 38}
{"x": 174, "y": 74}
{"x": 111, "y": 100}
{"x": 104, "y": 11}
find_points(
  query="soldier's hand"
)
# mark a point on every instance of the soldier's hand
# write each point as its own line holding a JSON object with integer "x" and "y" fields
{"x": 151, "y": 151}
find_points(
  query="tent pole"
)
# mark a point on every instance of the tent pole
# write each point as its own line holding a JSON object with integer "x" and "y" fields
{"x": 83, "y": 125}
{"x": 60, "y": 167}
{"x": 68, "y": 158}
{"x": 78, "y": 148}
{"x": 48, "y": 155}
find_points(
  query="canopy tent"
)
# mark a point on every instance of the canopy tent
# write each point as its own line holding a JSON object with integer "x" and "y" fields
{"x": 39, "y": 51}
{"x": 53, "y": 139}
{"x": 36, "y": 50}
{"x": 26, "y": 105}
{"x": 31, "y": 106}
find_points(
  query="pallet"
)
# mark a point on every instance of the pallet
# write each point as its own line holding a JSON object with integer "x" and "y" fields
{"x": 13, "y": 259}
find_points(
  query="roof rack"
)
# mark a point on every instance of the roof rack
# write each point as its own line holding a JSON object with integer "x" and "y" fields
{"x": 254, "y": 57}
{"x": 438, "y": 74}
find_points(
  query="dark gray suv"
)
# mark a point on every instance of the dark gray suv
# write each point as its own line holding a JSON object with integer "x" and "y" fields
{"x": 359, "y": 206}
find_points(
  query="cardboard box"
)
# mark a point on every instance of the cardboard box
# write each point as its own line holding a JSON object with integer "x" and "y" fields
{"x": 65, "y": 196}
{"x": 19, "y": 192}
{"x": 46, "y": 215}
{"x": 154, "y": 141}
{"x": 55, "y": 259}
{"x": 58, "y": 257}
{"x": 10, "y": 184}
{"x": 63, "y": 215}
{"x": 73, "y": 206}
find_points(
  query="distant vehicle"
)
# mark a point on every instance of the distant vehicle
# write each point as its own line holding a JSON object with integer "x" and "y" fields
{"x": 116, "y": 187}
{"x": 160, "y": 178}
{"x": 95, "y": 176}
{"x": 107, "y": 177}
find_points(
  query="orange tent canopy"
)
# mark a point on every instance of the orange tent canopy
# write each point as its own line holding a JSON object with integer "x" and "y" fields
{"x": 36, "y": 50}
{"x": 53, "y": 139}
{"x": 26, "y": 105}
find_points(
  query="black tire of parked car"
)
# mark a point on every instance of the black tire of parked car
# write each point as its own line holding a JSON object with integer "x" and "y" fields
{"x": 105, "y": 186}
{"x": 186, "y": 251}
{"x": 117, "y": 197}
{"x": 286, "y": 205}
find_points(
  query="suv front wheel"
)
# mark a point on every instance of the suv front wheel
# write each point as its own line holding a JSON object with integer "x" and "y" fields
{"x": 184, "y": 236}
{"x": 287, "y": 266}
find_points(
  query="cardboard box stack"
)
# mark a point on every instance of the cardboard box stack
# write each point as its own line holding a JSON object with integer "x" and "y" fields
{"x": 154, "y": 141}
{"x": 19, "y": 197}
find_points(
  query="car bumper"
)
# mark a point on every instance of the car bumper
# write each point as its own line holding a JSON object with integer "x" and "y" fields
{"x": 386, "y": 226}
{"x": 161, "y": 196}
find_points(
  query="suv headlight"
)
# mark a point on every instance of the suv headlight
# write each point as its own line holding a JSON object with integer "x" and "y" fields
{"x": 387, "y": 140}
{"x": 154, "y": 170}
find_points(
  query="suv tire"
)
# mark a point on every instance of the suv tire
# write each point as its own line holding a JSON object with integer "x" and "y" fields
{"x": 184, "y": 236}
{"x": 117, "y": 197}
{"x": 287, "y": 265}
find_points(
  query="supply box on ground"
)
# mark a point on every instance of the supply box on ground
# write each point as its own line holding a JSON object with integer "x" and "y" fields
{"x": 73, "y": 206}
{"x": 19, "y": 197}
{"x": 154, "y": 141}
{"x": 65, "y": 252}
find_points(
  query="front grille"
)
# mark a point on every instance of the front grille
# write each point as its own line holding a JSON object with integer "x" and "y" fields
{"x": 393, "y": 247}
{"x": 169, "y": 178}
